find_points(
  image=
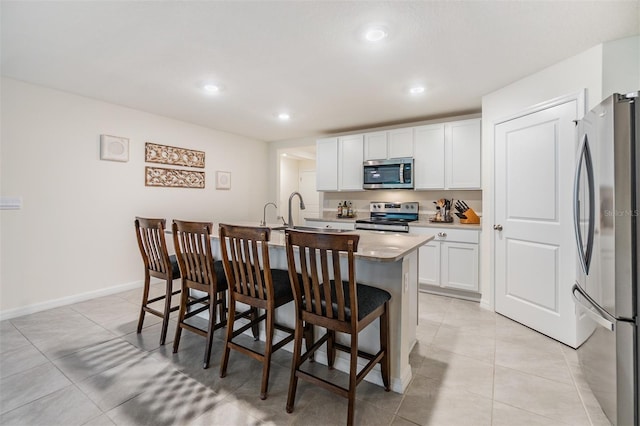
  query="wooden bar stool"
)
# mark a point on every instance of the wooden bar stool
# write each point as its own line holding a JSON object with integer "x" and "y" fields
{"x": 245, "y": 256}
{"x": 157, "y": 264}
{"x": 199, "y": 272}
{"x": 324, "y": 298}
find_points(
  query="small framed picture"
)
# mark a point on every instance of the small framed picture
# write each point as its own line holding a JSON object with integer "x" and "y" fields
{"x": 114, "y": 148}
{"x": 223, "y": 180}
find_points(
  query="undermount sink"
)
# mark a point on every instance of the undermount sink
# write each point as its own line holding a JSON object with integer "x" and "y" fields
{"x": 311, "y": 228}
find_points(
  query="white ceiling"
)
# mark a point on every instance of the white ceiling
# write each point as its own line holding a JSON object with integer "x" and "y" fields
{"x": 306, "y": 58}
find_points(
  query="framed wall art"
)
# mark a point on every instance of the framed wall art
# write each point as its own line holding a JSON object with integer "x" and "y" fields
{"x": 163, "y": 154}
{"x": 223, "y": 180}
{"x": 173, "y": 178}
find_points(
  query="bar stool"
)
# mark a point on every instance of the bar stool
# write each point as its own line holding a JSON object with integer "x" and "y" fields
{"x": 157, "y": 264}
{"x": 199, "y": 272}
{"x": 323, "y": 298}
{"x": 245, "y": 256}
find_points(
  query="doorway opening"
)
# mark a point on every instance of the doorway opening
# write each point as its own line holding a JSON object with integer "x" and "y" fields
{"x": 297, "y": 173}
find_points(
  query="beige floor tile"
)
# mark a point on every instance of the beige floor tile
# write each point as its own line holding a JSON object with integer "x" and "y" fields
{"x": 427, "y": 402}
{"x": 432, "y": 307}
{"x": 459, "y": 372}
{"x": 20, "y": 359}
{"x": 463, "y": 342}
{"x": 11, "y": 338}
{"x": 548, "y": 398}
{"x": 530, "y": 359}
{"x": 102, "y": 420}
{"x": 27, "y": 386}
{"x": 506, "y": 415}
{"x": 512, "y": 331}
{"x": 67, "y": 406}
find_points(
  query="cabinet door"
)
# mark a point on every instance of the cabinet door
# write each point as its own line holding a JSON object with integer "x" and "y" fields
{"x": 327, "y": 164}
{"x": 463, "y": 154}
{"x": 400, "y": 143}
{"x": 429, "y": 156}
{"x": 375, "y": 146}
{"x": 350, "y": 150}
{"x": 429, "y": 263}
{"x": 459, "y": 266}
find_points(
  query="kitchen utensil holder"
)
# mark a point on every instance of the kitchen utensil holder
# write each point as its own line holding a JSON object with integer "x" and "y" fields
{"x": 472, "y": 217}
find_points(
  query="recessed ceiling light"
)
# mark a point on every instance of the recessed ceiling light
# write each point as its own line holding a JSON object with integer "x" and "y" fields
{"x": 416, "y": 90}
{"x": 284, "y": 116}
{"x": 375, "y": 33}
{"x": 211, "y": 88}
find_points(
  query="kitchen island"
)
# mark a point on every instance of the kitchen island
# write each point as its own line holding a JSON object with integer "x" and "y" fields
{"x": 384, "y": 260}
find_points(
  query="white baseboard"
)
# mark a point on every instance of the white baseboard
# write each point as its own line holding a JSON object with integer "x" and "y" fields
{"x": 68, "y": 300}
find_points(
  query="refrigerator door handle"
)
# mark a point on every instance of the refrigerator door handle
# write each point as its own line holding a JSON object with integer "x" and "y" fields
{"x": 584, "y": 254}
{"x": 595, "y": 312}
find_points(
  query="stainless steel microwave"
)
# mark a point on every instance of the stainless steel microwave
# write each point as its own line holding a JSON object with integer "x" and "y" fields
{"x": 395, "y": 173}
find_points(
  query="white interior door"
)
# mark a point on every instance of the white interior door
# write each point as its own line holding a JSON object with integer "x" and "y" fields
{"x": 535, "y": 251}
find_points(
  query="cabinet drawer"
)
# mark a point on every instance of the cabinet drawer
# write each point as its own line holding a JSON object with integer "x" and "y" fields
{"x": 449, "y": 234}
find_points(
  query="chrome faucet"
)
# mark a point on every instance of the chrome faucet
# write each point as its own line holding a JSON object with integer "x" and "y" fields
{"x": 264, "y": 213}
{"x": 302, "y": 206}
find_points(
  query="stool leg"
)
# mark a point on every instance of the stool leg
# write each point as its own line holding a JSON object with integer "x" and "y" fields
{"x": 213, "y": 302}
{"x": 385, "y": 362}
{"x": 184, "y": 299}
{"x": 167, "y": 310}
{"x": 353, "y": 370}
{"x": 266, "y": 366}
{"x": 295, "y": 365}
{"x": 228, "y": 338}
{"x": 331, "y": 350}
{"x": 255, "y": 329}
{"x": 145, "y": 297}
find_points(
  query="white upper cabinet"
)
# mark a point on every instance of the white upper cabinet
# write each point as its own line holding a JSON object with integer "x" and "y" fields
{"x": 394, "y": 143}
{"x": 447, "y": 155}
{"x": 429, "y": 157}
{"x": 400, "y": 143}
{"x": 375, "y": 146}
{"x": 327, "y": 164}
{"x": 350, "y": 155}
{"x": 463, "y": 154}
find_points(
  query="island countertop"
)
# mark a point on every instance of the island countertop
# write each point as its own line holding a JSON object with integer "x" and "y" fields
{"x": 373, "y": 245}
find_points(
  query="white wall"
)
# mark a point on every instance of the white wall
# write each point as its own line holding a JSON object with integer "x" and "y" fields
{"x": 599, "y": 73}
{"x": 74, "y": 236}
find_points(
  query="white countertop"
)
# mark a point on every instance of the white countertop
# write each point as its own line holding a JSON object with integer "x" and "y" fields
{"x": 373, "y": 245}
{"x": 420, "y": 223}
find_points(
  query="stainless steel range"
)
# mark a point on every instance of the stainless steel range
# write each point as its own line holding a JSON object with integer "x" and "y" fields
{"x": 385, "y": 216}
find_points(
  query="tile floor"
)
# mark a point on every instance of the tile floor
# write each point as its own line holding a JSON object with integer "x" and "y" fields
{"x": 84, "y": 364}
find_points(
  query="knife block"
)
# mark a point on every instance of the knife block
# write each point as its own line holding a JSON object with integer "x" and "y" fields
{"x": 472, "y": 217}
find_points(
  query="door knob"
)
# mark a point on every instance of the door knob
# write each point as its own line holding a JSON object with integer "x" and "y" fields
{"x": 497, "y": 227}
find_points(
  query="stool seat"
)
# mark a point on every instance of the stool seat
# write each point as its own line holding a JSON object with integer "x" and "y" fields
{"x": 369, "y": 299}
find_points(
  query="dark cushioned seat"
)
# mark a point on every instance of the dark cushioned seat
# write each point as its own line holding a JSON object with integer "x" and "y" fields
{"x": 175, "y": 269}
{"x": 220, "y": 276}
{"x": 369, "y": 298}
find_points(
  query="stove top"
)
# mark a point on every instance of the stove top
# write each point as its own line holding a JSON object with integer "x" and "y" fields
{"x": 386, "y": 216}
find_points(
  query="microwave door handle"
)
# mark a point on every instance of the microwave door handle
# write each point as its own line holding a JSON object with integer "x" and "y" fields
{"x": 401, "y": 170}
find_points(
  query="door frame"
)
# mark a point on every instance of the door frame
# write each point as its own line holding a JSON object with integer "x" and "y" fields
{"x": 580, "y": 99}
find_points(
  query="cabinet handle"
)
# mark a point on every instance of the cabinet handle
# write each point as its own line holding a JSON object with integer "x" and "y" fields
{"x": 442, "y": 234}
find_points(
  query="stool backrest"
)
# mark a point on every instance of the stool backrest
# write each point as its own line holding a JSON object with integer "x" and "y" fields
{"x": 192, "y": 241}
{"x": 245, "y": 256}
{"x": 153, "y": 246}
{"x": 314, "y": 288}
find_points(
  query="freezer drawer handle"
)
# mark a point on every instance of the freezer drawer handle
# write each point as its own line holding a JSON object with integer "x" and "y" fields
{"x": 600, "y": 317}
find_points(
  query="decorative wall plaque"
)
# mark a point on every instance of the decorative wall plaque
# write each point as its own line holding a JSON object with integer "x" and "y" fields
{"x": 175, "y": 178}
{"x": 163, "y": 154}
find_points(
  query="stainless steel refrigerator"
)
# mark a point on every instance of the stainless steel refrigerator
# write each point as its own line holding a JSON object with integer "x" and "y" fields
{"x": 606, "y": 197}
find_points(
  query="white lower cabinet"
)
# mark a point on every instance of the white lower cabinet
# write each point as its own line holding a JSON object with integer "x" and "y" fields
{"x": 450, "y": 260}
